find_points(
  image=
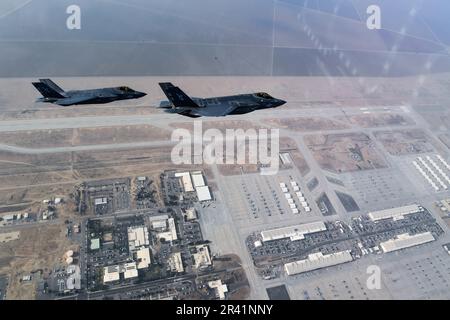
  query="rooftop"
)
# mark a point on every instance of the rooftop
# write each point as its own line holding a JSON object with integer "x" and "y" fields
{"x": 296, "y": 232}
{"x": 95, "y": 244}
{"x": 203, "y": 193}
{"x": 317, "y": 261}
{"x": 395, "y": 213}
{"x": 197, "y": 178}
{"x": 175, "y": 262}
{"x": 219, "y": 287}
{"x": 405, "y": 240}
{"x": 171, "y": 233}
{"x": 186, "y": 181}
{"x": 110, "y": 274}
{"x": 137, "y": 237}
{"x": 143, "y": 258}
{"x": 201, "y": 257}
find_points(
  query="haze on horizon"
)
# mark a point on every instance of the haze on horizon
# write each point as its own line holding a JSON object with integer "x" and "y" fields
{"x": 223, "y": 37}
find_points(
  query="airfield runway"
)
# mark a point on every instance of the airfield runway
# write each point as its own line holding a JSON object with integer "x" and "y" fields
{"x": 41, "y": 152}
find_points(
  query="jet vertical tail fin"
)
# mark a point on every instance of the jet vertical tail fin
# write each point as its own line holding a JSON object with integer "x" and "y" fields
{"x": 47, "y": 91}
{"x": 52, "y": 85}
{"x": 177, "y": 96}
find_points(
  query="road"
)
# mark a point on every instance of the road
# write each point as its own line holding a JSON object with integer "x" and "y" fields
{"x": 160, "y": 120}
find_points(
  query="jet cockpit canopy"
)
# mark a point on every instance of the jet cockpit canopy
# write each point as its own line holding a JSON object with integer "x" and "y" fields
{"x": 264, "y": 95}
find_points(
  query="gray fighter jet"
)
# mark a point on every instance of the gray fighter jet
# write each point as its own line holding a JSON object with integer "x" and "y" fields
{"x": 52, "y": 93}
{"x": 181, "y": 103}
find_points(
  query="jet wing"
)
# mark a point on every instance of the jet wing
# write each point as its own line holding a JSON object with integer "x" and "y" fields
{"x": 73, "y": 100}
{"x": 213, "y": 111}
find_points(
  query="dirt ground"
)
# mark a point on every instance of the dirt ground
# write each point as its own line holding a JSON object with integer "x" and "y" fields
{"x": 286, "y": 145}
{"x": 235, "y": 169}
{"x": 304, "y": 124}
{"x": 37, "y": 251}
{"x": 83, "y": 136}
{"x": 405, "y": 142}
{"x": 377, "y": 120}
{"x": 54, "y": 112}
{"x": 220, "y": 125}
{"x": 289, "y": 145}
{"x": 346, "y": 152}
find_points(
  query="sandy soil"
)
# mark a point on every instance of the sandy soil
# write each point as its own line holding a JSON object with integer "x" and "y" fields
{"x": 345, "y": 152}
{"x": 405, "y": 142}
{"x": 377, "y": 120}
{"x": 303, "y": 124}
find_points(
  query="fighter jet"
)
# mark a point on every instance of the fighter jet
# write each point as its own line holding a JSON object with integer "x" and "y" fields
{"x": 52, "y": 93}
{"x": 181, "y": 103}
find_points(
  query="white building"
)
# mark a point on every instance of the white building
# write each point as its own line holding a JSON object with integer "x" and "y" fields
{"x": 202, "y": 257}
{"x": 159, "y": 225}
{"x": 143, "y": 258}
{"x": 171, "y": 233}
{"x": 317, "y": 261}
{"x": 203, "y": 194}
{"x": 175, "y": 262}
{"x": 129, "y": 270}
{"x": 219, "y": 288}
{"x": 186, "y": 181}
{"x": 197, "y": 179}
{"x": 394, "y": 213}
{"x": 296, "y": 232}
{"x": 137, "y": 238}
{"x": 405, "y": 240}
{"x": 159, "y": 222}
{"x": 111, "y": 274}
{"x": 100, "y": 201}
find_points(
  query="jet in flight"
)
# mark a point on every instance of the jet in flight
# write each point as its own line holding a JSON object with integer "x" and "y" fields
{"x": 52, "y": 93}
{"x": 181, "y": 103}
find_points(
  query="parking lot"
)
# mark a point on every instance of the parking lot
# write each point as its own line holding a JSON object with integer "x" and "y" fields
{"x": 256, "y": 200}
{"x": 172, "y": 189}
{"x": 361, "y": 237}
{"x": 373, "y": 189}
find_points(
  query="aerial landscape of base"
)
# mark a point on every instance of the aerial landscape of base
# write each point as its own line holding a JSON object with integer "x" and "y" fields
{"x": 93, "y": 207}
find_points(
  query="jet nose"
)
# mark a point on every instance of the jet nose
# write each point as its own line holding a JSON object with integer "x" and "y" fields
{"x": 281, "y": 102}
{"x": 141, "y": 94}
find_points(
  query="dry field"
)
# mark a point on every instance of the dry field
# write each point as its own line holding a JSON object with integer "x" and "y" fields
{"x": 28, "y": 178}
{"x": 36, "y": 252}
{"x": 49, "y": 111}
{"x": 289, "y": 145}
{"x": 286, "y": 145}
{"x": 405, "y": 142}
{"x": 221, "y": 125}
{"x": 346, "y": 152}
{"x": 377, "y": 120}
{"x": 83, "y": 136}
{"x": 303, "y": 124}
